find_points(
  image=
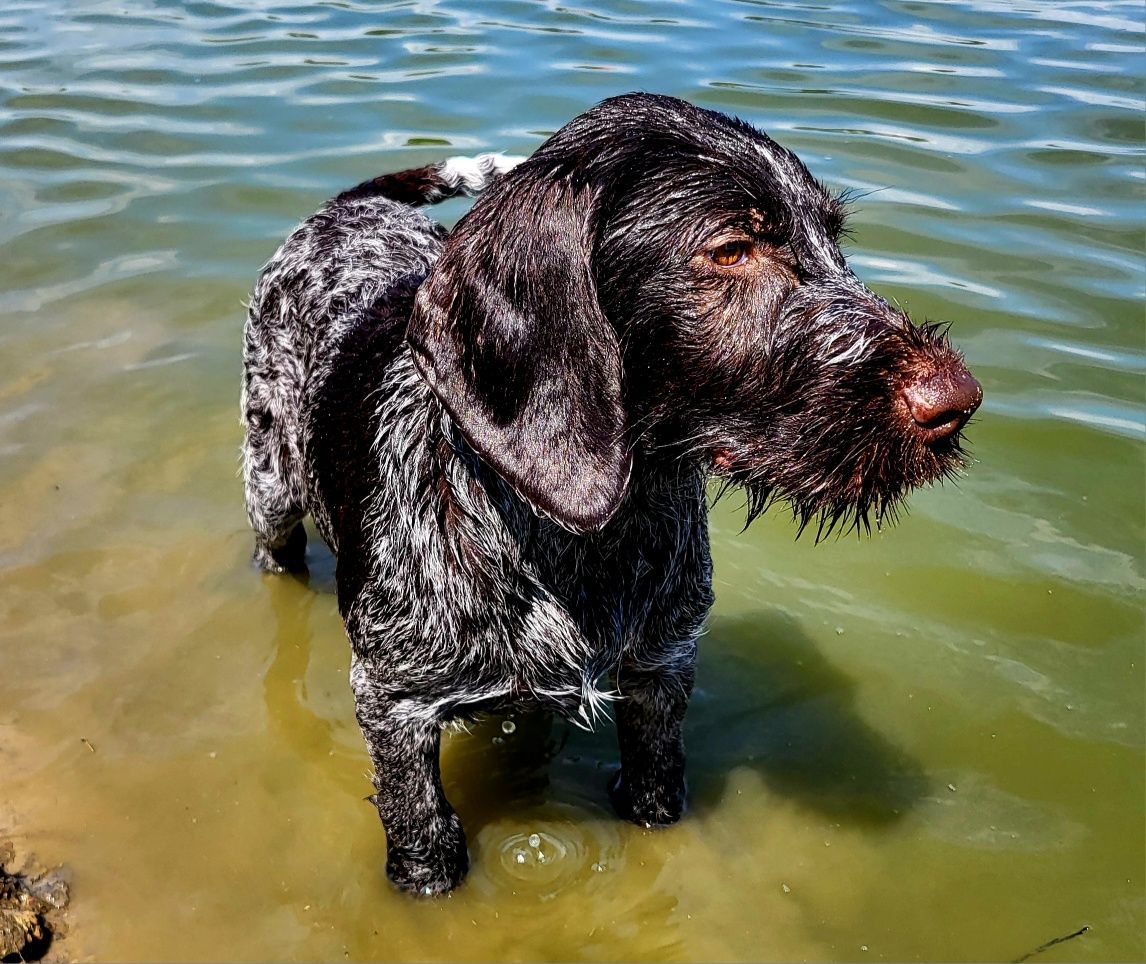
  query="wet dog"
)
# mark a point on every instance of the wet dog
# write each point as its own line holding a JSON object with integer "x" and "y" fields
{"x": 505, "y": 433}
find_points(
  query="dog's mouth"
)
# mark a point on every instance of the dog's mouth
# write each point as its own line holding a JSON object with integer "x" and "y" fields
{"x": 723, "y": 460}
{"x": 843, "y": 437}
{"x": 933, "y": 435}
{"x": 848, "y": 456}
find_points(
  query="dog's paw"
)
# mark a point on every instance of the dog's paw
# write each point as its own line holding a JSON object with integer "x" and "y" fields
{"x": 424, "y": 879}
{"x": 648, "y": 806}
{"x": 289, "y": 557}
{"x": 429, "y": 873}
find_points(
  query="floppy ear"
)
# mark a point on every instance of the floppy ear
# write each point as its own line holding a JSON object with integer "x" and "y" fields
{"x": 508, "y": 333}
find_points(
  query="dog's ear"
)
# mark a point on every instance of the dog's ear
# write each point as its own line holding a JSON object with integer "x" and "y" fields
{"x": 508, "y": 332}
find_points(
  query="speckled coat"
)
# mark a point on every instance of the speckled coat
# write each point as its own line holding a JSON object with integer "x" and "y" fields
{"x": 504, "y": 435}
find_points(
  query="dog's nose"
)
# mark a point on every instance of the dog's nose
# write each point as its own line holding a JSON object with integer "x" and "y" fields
{"x": 943, "y": 401}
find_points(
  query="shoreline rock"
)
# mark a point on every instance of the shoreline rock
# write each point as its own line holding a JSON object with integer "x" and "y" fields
{"x": 32, "y": 906}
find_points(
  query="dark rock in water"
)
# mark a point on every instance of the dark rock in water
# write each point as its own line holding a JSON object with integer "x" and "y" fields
{"x": 28, "y": 906}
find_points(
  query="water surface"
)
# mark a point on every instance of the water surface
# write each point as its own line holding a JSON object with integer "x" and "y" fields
{"x": 928, "y": 744}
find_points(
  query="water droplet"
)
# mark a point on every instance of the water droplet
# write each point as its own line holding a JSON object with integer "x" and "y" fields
{"x": 508, "y": 726}
{"x": 534, "y": 840}
{"x": 863, "y": 947}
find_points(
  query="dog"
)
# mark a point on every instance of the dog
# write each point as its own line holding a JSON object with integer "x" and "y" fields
{"x": 504, "y": 433}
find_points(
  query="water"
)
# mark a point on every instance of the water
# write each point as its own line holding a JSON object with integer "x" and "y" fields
{"x": 924, "y": 745}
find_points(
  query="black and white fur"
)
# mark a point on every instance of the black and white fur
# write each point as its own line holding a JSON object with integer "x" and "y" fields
{"x": 504, "y": 434}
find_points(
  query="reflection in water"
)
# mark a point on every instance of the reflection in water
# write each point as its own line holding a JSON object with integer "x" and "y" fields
{"x": 284, "y": 685}
{"x": 767, "y": 699}
{"x": 530, "y": 789}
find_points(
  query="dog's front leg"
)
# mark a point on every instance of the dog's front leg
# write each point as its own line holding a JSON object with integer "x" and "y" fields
{"x": 425, "y": 843}
{"x": 649, "y": 789}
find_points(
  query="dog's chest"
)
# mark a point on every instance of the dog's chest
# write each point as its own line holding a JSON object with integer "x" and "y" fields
{"x": 640, "y": 581}
{"x": 591, "y": 605}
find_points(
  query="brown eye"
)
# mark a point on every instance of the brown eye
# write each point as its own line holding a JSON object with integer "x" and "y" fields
{"x": 729, "y": 254}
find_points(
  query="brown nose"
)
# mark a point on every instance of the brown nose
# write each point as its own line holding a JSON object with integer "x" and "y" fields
{"x": 942, "y": 402}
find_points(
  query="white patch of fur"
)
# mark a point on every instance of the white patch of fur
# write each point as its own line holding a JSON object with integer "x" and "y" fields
{"x": 471, "y": 175}
{"x": 854, "y": 350}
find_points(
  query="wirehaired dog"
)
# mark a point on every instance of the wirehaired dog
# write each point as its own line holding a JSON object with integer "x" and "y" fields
{"x": 504, "y": 433}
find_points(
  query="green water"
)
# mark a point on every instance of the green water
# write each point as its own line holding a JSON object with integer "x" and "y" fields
{"x": 928, "y": 744}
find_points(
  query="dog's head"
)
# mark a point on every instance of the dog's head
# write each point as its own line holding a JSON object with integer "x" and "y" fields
{"x": 661, "y": 282}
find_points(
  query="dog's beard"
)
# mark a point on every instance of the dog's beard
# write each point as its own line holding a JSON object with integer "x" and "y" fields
{"x": 825, "y": 431}
{"x": 845, "y": 457}
{"x": 829, "y": 491}
{"x": 835, "y": 475}
{"x": 845, "y": 461}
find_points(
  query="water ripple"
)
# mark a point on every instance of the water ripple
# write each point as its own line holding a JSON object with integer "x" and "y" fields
{"x": 152, "y": 155}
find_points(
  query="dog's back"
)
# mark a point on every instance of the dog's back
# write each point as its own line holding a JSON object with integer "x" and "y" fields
{"x": 346, "y": 272}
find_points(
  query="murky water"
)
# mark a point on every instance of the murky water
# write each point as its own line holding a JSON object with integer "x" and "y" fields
{"x": 924, "y": 745}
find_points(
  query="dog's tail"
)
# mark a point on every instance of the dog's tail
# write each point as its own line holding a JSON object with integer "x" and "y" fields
{"x": 436, "y": 182}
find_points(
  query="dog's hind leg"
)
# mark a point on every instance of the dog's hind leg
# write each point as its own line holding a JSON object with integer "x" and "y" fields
{"x": 273, "y": 473}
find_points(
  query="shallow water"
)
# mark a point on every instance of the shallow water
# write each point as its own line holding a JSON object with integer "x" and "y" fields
{"x": 928, "y": 744}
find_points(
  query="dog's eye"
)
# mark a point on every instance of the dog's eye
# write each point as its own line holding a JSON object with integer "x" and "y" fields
{"x": 729, "y": 254}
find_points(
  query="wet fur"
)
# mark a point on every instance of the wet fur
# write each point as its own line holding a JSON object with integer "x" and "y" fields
{"x": 505, "y": 434}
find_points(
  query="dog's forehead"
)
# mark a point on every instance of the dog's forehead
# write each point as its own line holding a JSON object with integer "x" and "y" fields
{"x": 751, "y": 181}
{"x": 814, "y": 212}
{"x": 663, "y": 164}
{"x": 742, "y": 155}
{"x": 778, "y": 172}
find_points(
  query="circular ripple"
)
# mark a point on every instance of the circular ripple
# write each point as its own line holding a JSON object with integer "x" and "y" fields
{"x": 545, "y": 854}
